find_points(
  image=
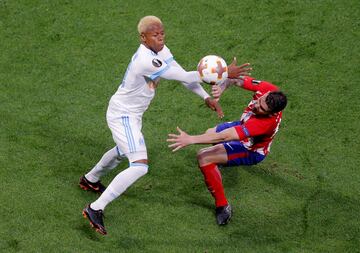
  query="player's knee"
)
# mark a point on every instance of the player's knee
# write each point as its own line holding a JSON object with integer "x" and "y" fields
{"x": 141, "y": 168}
{"x": 144, "y": 169}
{"x": 199, "y": 154}
{"x": 202, "y": 156}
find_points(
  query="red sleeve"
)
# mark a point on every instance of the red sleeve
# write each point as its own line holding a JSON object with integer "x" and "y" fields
{"x": 254, "y": 127}
{"x": 252, "y": 84}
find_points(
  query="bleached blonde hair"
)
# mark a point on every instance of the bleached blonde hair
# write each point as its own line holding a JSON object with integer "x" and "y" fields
{"x": 146, "y": 21}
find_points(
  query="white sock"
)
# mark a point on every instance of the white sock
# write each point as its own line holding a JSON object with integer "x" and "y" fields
{"x": 110, "y": 160}
{"x": 119, "y": 184}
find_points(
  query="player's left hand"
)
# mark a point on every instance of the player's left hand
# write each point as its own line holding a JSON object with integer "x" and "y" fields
{"x": 179, "y": 140}
{"x": 235, "y": 71}
{"x": 215, "y": 106}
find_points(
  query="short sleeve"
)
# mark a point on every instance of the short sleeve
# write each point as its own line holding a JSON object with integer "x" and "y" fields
{"x": 153, "y": 67}
{"x": 258, "y": 85}
{"x": 166, "y": 55}
{"x": 254, "y": 127}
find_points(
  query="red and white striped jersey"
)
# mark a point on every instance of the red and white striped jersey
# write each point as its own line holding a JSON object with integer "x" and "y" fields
{"x": 257, "y": 131}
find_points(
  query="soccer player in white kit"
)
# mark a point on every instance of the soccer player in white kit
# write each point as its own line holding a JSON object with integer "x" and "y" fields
{"x": 151, "y": 62}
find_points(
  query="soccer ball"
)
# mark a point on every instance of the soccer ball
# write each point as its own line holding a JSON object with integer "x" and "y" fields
{"x": 212, "y": 69}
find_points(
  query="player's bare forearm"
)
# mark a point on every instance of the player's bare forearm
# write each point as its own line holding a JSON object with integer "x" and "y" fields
{"x": 208, "y": 138}
{"x": 217, "y": 90}
{"x": 211, "y": 137}
{"x": 183, "y": 139}
{"x": 237, "y": 81}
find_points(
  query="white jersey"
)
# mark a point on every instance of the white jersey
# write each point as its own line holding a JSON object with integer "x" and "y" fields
{"x": 142, "y": 76}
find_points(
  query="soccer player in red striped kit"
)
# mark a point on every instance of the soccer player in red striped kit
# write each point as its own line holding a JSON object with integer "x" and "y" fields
{"x": 243, "y": 142}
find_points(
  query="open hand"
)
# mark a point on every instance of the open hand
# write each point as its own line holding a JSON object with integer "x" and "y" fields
{"x": 179, "y": 140}
{"x": 235, "y": 71}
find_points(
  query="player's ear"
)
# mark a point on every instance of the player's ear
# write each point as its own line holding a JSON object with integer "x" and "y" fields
{"x": 142, "y": 37}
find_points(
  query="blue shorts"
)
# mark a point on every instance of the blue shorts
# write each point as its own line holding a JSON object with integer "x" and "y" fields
{"x": 236, "y": 152}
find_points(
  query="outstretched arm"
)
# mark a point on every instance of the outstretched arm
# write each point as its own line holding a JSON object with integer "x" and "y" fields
{"x": 217, "y": 90}
{"x": 179, "y": 74}
{"x": 235, "y": 74}
{"x": 191, "y": 80}
{"x": 183, "y": 139}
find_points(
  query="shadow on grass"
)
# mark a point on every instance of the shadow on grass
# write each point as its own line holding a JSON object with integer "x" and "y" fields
{"x": 323, "y": 216}
{"x": 324, "y": 213}
{"x": 89, "y": 232}
{"x": 131, "y": 243}
{"x": 10, "y": 245}
{"x": 203, "y": 203}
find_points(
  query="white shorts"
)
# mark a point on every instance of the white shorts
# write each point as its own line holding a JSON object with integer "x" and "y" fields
{"x": 126, "y": 132}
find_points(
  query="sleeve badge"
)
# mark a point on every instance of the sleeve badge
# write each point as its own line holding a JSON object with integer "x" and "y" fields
{"x": 156, "y": 62}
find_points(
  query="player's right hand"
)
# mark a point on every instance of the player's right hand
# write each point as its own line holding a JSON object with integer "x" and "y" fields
{"x": 215, "y": 106}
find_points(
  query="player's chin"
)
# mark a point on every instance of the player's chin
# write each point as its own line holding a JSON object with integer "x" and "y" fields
{"x": 160, "y": 47}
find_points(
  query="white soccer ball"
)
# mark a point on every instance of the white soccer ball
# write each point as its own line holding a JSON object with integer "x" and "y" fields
{"x": 212, "y": 69}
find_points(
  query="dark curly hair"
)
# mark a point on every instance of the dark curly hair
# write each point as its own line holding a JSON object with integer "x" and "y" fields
{"x": 276, "y": 101}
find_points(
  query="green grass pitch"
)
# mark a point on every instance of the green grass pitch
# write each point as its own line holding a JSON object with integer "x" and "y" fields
{"x": 60, "y": 62}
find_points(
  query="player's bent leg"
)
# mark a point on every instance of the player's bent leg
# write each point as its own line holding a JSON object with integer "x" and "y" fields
{"x": 208, "y": 159}
{"x": 232, "y": 153}
{"x": 94, "y": 211}
{"x": 126, "y": 131}
{"x": 127, "y": 134}
{"x": 120, "y": 183}
{"x": 91, "y": 181}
